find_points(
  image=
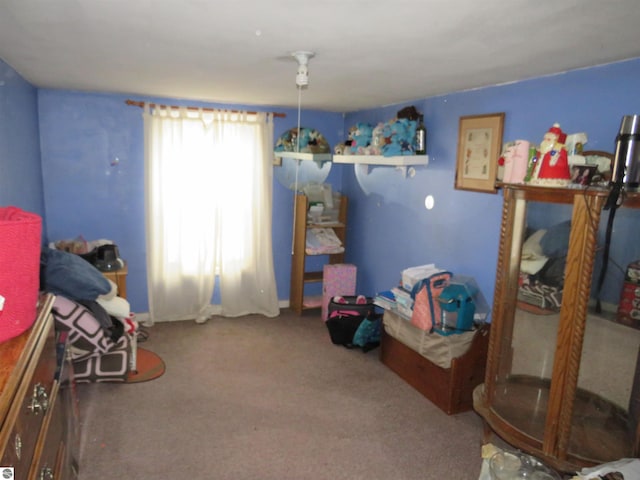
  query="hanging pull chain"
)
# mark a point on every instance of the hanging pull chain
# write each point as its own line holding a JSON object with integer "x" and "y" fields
{"x": 295, "y": 190}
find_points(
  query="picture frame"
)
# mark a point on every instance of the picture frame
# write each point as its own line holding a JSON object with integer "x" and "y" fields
{"x": 479, "y": 147}
{"x": 604, "y": 165}
{"x": 583, "y": 174}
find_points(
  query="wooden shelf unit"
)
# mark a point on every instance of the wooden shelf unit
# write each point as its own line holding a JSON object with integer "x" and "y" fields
{"x": 300, "y": 277}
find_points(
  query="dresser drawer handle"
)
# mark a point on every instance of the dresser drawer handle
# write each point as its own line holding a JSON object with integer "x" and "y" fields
{"x": 39, "y": 400}
{"x": 46, "y": 473}
{"x": 17, "y": 445}
{"x": 43, "y": 396}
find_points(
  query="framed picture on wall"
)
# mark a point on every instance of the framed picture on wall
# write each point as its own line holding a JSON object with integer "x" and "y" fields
{"x": 479, "y": 146}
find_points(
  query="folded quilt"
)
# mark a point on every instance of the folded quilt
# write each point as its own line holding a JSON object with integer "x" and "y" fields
{"x": 322, "y": 241}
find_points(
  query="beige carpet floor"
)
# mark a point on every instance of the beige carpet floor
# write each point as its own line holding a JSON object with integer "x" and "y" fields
{"x": 269, "y": 398}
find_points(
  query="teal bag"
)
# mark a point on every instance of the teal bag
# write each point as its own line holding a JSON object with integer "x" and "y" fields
{"x": 368, "y": 334}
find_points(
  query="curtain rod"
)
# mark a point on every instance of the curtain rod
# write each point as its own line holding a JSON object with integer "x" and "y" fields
{"x": 135, "y": 103}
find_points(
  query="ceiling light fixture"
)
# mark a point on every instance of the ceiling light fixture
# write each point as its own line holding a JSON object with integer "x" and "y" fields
{"x": 302, "y": 76}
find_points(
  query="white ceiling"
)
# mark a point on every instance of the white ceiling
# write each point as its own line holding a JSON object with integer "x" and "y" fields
{"x": 368, "y": 52}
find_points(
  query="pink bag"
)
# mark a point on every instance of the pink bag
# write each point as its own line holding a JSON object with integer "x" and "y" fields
{"x": 20, "y": 245}
{"x": 426, "y": 308}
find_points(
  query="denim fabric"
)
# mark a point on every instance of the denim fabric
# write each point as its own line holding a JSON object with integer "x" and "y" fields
{"x": 69, "y": 275}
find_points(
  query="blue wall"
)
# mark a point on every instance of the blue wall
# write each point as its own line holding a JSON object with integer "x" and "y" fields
{"x": 87, "y": 192}
{"x": 93, "y": 165}
{"x": 20, "y": 168}
{"x": 389, "y": 227}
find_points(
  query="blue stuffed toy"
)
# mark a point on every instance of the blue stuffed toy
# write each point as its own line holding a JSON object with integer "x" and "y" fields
{"x": 305, "y": 137}
{"x": 361, "y": 138}
{"x": 399, "y": 137}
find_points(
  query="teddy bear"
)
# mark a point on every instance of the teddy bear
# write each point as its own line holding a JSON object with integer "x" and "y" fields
{"x": 377, "y": 140}
{"x": 342, "y": 149}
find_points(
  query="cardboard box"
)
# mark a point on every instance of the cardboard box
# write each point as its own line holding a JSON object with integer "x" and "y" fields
{"x": 337, "y": 279}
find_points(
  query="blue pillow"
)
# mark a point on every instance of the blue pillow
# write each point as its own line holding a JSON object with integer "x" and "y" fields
{"x": 555, "y": 243}
{"x": 70, "y": 275}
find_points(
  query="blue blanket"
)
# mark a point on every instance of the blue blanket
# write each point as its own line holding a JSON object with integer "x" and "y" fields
{"x": 67, "y": 274}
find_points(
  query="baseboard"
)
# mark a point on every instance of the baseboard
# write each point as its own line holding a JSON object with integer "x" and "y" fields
{"x": 144, "y": 318}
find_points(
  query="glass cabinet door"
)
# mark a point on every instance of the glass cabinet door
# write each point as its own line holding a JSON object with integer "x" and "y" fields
{"x": 520, "y": 394}
{"x": 603, "y": 426}
{"x": 604, "y": 422}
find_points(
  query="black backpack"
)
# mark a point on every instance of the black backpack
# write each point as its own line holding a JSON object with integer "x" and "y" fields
{"x": 352, "y": 322}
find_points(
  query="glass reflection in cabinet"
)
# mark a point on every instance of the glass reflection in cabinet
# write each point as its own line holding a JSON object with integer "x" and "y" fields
{"x": 522, "y": 386}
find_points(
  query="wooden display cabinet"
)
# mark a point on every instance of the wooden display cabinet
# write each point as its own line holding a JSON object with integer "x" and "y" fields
{"x": 300, "y": 274}
{"x": 559, "y": 407}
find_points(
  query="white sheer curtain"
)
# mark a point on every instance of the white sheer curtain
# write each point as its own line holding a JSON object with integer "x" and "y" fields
{"x": 208, "y": 191}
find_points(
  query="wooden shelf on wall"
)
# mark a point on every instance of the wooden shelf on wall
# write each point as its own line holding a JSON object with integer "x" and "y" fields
{"x": 316, "y": 157}
{"x": 396, "y": 161}
{"x": 400, "y": 162}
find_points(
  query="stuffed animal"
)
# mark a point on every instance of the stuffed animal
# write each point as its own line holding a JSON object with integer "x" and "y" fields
{"x": 361, "y": 138}
{"x": 310, "y": 141}
{"x": 305, "y": 138}
{"x": 317, "y": 143}
{"x": 342, "y": 149}
{"x": 377, "y": 140}
{"x": 399, "y": 135}
{"x": 409, "y": 142}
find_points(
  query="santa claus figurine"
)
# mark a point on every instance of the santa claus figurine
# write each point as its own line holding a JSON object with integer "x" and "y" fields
{"x": 552, "y": 169}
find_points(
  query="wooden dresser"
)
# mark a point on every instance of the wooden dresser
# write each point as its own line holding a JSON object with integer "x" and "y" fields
{"x": 38, "y": 414}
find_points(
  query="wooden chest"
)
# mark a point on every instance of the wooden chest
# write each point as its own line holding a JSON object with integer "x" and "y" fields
{"x": 451, "y": 389}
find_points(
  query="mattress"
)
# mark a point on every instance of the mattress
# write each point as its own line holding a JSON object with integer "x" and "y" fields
{"x": 439, "y": 349}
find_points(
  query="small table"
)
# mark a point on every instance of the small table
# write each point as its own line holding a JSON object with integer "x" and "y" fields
{"x": 119, "y": 277}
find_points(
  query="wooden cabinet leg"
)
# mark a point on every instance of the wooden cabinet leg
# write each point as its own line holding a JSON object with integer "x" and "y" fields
{"x": 487, "y": 433}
